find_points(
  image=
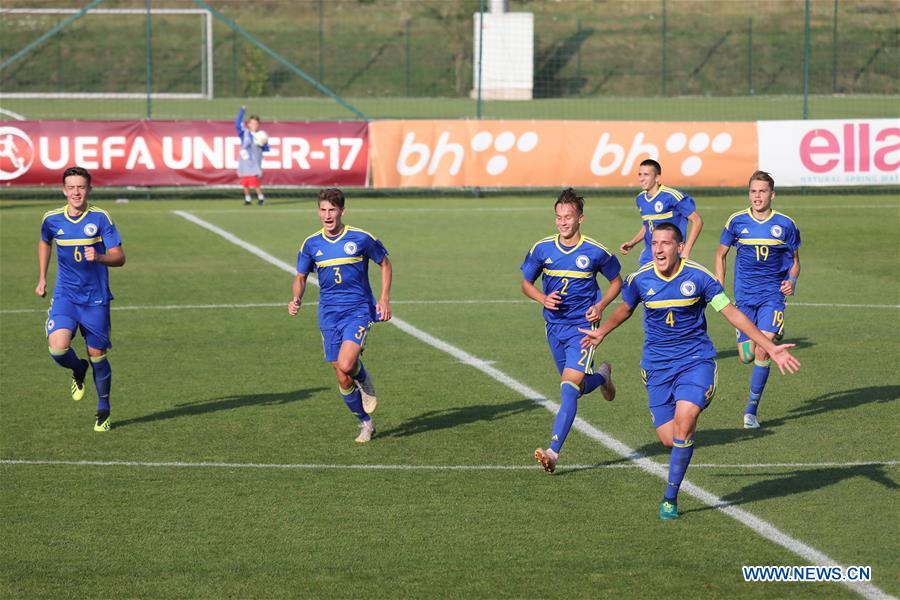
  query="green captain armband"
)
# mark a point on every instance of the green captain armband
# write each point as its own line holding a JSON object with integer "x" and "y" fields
{"x": 720, "y": 301}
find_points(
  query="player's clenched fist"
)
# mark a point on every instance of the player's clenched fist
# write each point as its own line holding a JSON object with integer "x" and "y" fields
{"x": 90, "y": 254}
{"x": 294, "y": 306}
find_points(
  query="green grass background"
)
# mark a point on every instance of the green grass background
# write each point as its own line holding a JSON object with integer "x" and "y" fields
{"x": 249, "y": 386}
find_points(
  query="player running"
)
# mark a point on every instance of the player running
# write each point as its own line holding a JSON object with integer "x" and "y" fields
{"x": 677, "y": 365}
{"x": 568, "y": 264}
{"x": 766, "y": 268}
{"x": 87, "y": 244}
{"x": 340, "y": 254}
{"x": 659, "y": 203}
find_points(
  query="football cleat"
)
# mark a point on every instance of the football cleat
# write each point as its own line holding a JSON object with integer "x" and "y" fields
{"x": 547, "y": 458}
{"x": 247, "y": 202}
{"x": 750, "y": 421}
{"x": 668, "y": 511}
{"x": 366, "y": 431}
{"x": 261, "y": 201}
{"x": 779, "y": 335}
{"x": 103, "y": 423}
{"x": 608, "y": 389}
{"x": 367, "y": 391}
{"x": 78, "y": 382}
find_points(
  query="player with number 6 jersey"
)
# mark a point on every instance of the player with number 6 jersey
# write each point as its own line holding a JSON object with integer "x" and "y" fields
{"x": 766, "y": 268}
{"x": 87, "y": 244}
{"x": 340, "y": 254}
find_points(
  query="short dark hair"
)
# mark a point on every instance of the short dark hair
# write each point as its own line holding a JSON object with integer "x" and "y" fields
{"x": 253, "y": 117}
{"x": 676, "y": 233}
{"x": 78, "y": 171}
{"x": 569, "y": 196}
{"x": 762, "y": 176}
{"x": 332, "y": 195}
{"x": 652, "y": 163}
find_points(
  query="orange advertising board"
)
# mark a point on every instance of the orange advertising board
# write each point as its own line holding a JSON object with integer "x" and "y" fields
{"x": 496, "y": 154}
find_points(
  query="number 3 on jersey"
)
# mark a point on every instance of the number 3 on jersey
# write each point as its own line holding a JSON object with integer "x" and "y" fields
{"x": 337, "y": 275}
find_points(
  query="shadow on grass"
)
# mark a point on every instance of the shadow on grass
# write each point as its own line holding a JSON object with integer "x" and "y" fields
{"x": 779, "y": 484}
{"x": 201, "y": 407}
{"x": 826, "y": 403}
{"x": 800, "y": 343}
{"x": 462, "y": 415}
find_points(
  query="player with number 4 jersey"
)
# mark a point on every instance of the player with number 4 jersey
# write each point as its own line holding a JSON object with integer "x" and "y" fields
{"x": 766, "y": 268}
{"x": 340, "y": 255}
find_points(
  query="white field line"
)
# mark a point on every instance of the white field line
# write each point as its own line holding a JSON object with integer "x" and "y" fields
{"x": 760, "y": 526}
{"x": 14, "y": 311}
{"x": 410, "y": 467}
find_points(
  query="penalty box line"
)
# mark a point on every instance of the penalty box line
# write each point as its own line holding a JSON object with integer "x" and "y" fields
{"x": 760, "y": 526}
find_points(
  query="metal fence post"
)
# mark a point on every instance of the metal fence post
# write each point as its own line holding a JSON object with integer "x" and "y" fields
{"x": 149, "y": 62}
{"x": 406, "y": 62}
{"x": 750, "y": 56}
{"x": 806, "y": 63}
{"x": 321, "y": 39}
{"x": 663, "y": 62}
{"x": 834, "y": 41}
{"x": 480, "y": 56}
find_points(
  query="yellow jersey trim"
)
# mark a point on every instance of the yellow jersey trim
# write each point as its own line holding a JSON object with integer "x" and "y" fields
{"x": 78, "y": 220}
{"x": 572, "y": 274}
{"x": 785, "y": 216}
{"x": 351, "y": 228}
{"x": 760, "y": 242}
{"x": 594, "y": 242}
{"x": 309, "y": 237}
{"x": 643, "y": 269}
{"x": 337, "y": 239}
{"x": 549, "y": 238}
{"x": 672, "y": 303}
{"x": 674, "y": 275}
{"x": 664, "y": 215}
{"x": 339, "y": 261}
{"x": 79, "y": 242}
{"x": 97, "y": 209}
{"x": 574, "y": 248}
{"x": 50, "y": 213}
{"x": 678, "y": 195}
{"x": 734, "y": 216}
{"x": 695, "y": 265}
{"x": 771, "y": 214}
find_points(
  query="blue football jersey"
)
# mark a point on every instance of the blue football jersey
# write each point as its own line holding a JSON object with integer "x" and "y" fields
{"x": 667, "y": 205}
{"x": 765, "y": 254}
{"x": 342, "y": 266}
{"x": 674, "y": 312}
{"x": 78, "y": 280}
{"x": 572, "y": 272}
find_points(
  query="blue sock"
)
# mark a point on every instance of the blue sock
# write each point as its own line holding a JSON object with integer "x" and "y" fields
{"x": 102, "y": 382}
{"x": 67, "y": 359}
{"x": 682, "y": 450}
{"x": 353, "y": 400}
{"x": 568, "y": 406}
{"x": 757, "y": 385}
{"x": 359, "y": 372}
{"x": 592, "y": 382}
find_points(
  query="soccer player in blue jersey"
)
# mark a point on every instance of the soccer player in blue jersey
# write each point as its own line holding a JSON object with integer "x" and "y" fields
{"x": 660, "y": 203}
{"x": 250, "y": 156}
{"x": 340, "y": 255}
{"x": 766, "y": 267}
{"x": 568, "y": 264}
{"x": 677, "y": 364}
{"x": 87, "y": 244}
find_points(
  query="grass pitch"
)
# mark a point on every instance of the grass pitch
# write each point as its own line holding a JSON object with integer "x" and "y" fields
{"x": 239, "y": 476}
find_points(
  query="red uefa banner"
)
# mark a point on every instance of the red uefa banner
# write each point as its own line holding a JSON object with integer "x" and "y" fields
{"x": 172, "y": 153}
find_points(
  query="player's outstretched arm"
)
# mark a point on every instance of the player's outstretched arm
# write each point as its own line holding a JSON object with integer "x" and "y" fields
{"x": 384, "y": 302}
{"x": 297, "y": 289}
{"x": 719, "y": 264}
{"x": 693, "y": 233}
{"x": 550, "y": 301}
{"x": 43, "y": 263}
{"x": 784, "y": 359}
{"x": 595, "y": 312}
{"x": 627, "y": 246}
{"x": 593, "y": 337}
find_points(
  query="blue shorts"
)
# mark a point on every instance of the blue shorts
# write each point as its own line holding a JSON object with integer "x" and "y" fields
{"x": 768, "y": 317}
{"x": 694, "y": 382}
{"x": 91, "y": 320}
{"x": 565, "y": 346}
{"x": 350, "y": 327}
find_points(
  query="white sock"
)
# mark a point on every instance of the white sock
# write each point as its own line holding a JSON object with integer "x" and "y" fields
{"x": 261, "y": 196}
{"x": 247, "y": 198}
